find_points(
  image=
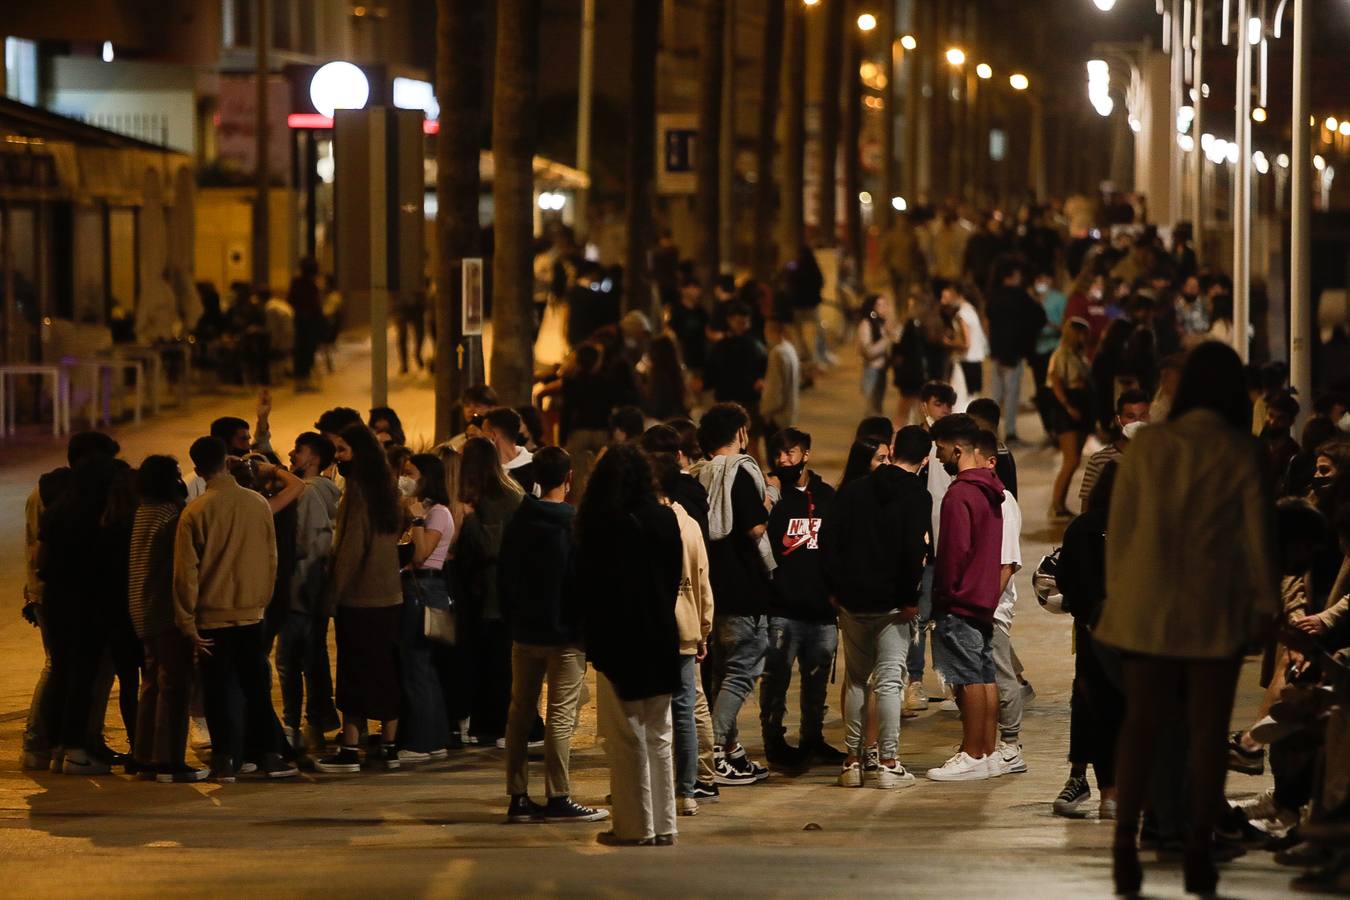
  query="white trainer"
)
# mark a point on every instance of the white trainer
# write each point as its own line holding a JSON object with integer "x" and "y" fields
{"x": 963, "y": 767}
{"x": 850, "y": 775}
{"x": 1009, "y": 760}
{"x": 889, "y": 778}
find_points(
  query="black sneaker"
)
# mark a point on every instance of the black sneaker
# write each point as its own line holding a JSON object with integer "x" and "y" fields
{"x": 1240, "y": 759}
{"x": 871, "y": 759}
{"x": 739, "y": 761}
{"x": 782, "y": 755}
{"x": 184, "y": 774}
{"x": 387, "y": 754}
{"x": 825, "y": 755}
{"x": 1070, "y": 801}
{"x": 706, "y": 792}
{"x": 344, "y": 762}
{"x": 272, "y": 765}
{"x": 523, "y": 810}
{"x": 565, "y": 809}
{"x": 725, "y": 773}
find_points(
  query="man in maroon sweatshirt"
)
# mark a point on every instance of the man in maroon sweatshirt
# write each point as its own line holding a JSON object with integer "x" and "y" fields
{"x": 966, "y": 589}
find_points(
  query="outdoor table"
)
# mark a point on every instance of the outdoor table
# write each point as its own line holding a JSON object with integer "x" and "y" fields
{"x": 60, "y": 383}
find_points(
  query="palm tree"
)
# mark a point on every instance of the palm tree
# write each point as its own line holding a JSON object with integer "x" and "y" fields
{"x": 645, "y": 34}
{"x": 794, "y": 131}
{"x": 835, "y": 13}
{"x": 515, "y": 99}
{"x": 459, "y": 88}
{"x": 767, "y": 139}
{"x": 853, "y": 241}
{"x": 707, "y": 163}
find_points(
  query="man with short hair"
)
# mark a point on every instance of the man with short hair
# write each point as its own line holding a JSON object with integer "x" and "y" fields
{"x": 535, "y": 586}
{"x": 502, "y": 427}
{"x": 802, "y": 619}
{"x": 874, "y": 544}
{"x": 966, "y": 589}
{"x": 224, "y": 572}
{"x": 936, "y": 400}
{"x": 1015, "y": 319}
{"x": 626, "y": 425}
{"x": 986, "y": 414}
{"x": 475, "y": 403}
{"x": 736, "y": 367}
{"x": 740, "y": 563}
{"x": 1132, "y": 413}
{"x": 778, "y": 405}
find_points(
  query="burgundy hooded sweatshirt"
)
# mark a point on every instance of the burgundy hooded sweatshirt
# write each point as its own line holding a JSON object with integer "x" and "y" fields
{"x": 970, "y": 550}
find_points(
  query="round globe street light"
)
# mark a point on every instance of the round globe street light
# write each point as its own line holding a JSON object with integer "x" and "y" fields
{"x": 956, "y": 56}
{"x": 1259, "y": 114}
{"x": 338, "y": 85}
{"x": 1018, "y": 82}
{"x": 899, "y": 204}
{"x": 867, "y": 22}
{"x": 984, "y": 71}
{"x": 908, "y": 42}
{"x": 1104, "y": 5}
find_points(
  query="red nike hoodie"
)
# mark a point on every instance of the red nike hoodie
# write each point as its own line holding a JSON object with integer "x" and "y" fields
{"x": 970, "y": 549}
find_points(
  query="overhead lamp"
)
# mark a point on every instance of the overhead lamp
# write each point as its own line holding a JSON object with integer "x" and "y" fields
{"x": 984, "y": 71}
{"x": 956, "y": 56}
{"x": 1259, "y": 114}
{"x": 867, "y": 22}
{"x": 1018, "y": 81}
{"x": 908, "y": 42}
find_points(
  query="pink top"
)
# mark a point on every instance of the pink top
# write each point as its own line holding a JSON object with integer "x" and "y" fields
{"x": 438, "y": 519}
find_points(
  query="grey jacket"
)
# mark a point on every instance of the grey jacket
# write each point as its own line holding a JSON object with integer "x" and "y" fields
{"x": 315, "y": 513}
{"x": 778, "y": 404}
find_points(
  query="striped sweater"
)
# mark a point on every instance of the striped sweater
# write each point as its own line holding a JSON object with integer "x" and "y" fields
{"x": 150, "y": 589}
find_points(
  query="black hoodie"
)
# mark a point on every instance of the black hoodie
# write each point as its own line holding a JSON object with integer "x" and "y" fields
{"x": 875, "y": 541}
{"x": 534, "y": 575}
{"x": 799, "y": 588}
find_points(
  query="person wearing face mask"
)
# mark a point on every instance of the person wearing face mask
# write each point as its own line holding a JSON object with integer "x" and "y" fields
{"x": 1053, "y": 301}
{"x": 1281, "y": 448}
{"x": 1299, "y": 477}
{"x": 1132, "y": 414}
{"x": 1192, "y": 315}
{"x": 801, "y": 621}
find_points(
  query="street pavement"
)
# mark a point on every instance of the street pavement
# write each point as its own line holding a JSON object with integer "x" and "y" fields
{"x": 439, "y": 830}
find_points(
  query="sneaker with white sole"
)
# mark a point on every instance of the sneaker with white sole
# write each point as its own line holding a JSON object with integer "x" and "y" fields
{"x": 916, "y": 697}
{"x": 412, "y": 757}
{"x": 686, "y": 806}
{"x": 565, "y": 809}
{"x": 1262, "y": 806}
{"x": 531, "y": 745}
{"x": 346, "y": 761}
{"x": 727, "y": 774}
{"x": 438, "y": 753}
{"x": 871, "y": 759}
{"x": 1009, "y": 759}
{"x": 739, "y": 760}
{"x": 890, "y": 778}
{"x": 1071, "y": 800}
{"x": 963, "y": 767}
{"x": 80, "y": 762}
{"x": 850, "y": 775}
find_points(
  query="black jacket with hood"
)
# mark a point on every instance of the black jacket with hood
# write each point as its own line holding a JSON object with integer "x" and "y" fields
{"x": 799, "y": 587}
{"x": 534, "y": 575}
{"x": 875, "y": 541}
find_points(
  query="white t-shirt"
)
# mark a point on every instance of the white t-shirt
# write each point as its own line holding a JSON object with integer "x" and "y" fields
{"x": 938, "y": 482}
{"x": 979, "y": 343}
{"x": 1012, "y": 556}
{"x": 438, "y": 519}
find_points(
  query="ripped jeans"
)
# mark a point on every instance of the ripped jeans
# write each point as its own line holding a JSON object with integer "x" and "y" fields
{"x": 811, "y": 645}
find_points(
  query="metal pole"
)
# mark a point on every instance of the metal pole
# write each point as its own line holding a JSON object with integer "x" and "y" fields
{"x": 726, "y": 172}
{"x": 1300, "y": 217}
{"x": 1174, "y": 156}
{"x": 261, "y": 219}
{"x": 1242, "y": 186}
{"x": 1197, "y": 156}
{"x": 584, "y": 97}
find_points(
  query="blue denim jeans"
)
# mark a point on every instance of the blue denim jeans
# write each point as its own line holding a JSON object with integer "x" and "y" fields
{"x": 304, "y": 673}
{"x": 686, "y": 734}
{"x": 1008, "y": 395}
{"x": 742, "y": 642}
{"x": 874, "y": 648}
{"x": 873, "y": 390}
{"x": 811, "y": 645}
{"x": 422, "y": 724}
{"x": 919, "y": 627}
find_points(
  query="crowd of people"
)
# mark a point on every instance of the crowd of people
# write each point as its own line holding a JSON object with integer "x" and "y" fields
{"x": 654, "y": 515}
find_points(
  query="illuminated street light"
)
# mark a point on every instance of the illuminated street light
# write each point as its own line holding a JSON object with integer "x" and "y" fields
{"x": 1319, "y": 163}
{"x": 865, "y": 198}
{"x": 810, "y": 2}
{"x": 984, "y": 71}
{"x": 1018, "y": 81}
{"x": 1105, "y": 5}
{"x": 1186, "y": 142}
{"x": 108, "y": 54}
{"x": 1282, "y": 160}
{"x": 908, "y": 42}
{"x": 1254, "y": 29}
{"x": 898, "y": 204}
{"x": 1259, "y": 114}
{"x": 956, "y": 56}
{"x": 1345, "y": 128}
{"x": 1331, "y": 123}
{"x": 868, "y": 70}
{"x": 1262, "y": 164}
{"x": 867, "y": 22}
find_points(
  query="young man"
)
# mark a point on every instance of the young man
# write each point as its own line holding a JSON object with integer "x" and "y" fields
{"x": 735, "y": 370}
{"x": 782, "y": 383}
{"x": 303, "y": 668}
{"x": 936, "y": 400}
{"x": 740, "y": 563}
{"x": 1132, "y": 413}
{"x": 225, "y": 564}
{"x": 502, "y": 427}
{"x": 1015, "y": 319}
{"x": 986, "y": 414}
{"x": 874, "y": 544}
{"x": 802, "y": 619}
{"x": 476, "y": 401}
{"x": 626, "y": 424}
{"x": 966, "y": 588}
{"x": 535, "y": 567}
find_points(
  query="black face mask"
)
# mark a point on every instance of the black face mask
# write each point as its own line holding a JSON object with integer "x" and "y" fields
{"x": 789, "y": 474}
{"x": 1321, "y": 483}
{"x": 1273, "y": 433}
{"x": 345, "y": 469}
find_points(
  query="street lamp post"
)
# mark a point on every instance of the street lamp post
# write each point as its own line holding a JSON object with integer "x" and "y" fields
{"x": 1300, "y": 216}
{"x": 1242, "y": 187}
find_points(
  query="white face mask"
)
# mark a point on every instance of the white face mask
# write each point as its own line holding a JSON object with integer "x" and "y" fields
{"x": 407, "y": 485}
{"x": 1130, "y": 430}
{"x": 1042, "y": 287}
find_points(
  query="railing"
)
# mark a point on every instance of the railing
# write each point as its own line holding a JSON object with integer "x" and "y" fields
{"x": 152, "y": 128}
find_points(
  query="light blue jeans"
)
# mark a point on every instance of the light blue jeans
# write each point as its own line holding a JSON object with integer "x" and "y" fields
{"x": 1007, "y": 390}
{"x": 919, "y": 627}
{"x": 873, "y": 390}
{"x": 875, "y": 647}
{"x": 742, "y": 642}
{"x": 686, "y": 734}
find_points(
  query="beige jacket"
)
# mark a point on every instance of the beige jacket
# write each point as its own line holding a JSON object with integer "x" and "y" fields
{"x": 365, "y": 563}
{"x": 694, "y": 603}
{"x": 224, "y": 558}
{"x": 1190, "y": 559}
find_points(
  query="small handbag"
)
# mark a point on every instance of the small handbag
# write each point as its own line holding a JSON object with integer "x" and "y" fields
{"x": 438, "y": 625}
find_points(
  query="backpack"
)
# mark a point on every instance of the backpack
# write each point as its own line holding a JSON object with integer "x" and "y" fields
{"x": 1045, "y": 583}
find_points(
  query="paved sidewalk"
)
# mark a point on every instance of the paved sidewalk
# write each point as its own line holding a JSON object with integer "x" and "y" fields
{"x": 439, "y": 830}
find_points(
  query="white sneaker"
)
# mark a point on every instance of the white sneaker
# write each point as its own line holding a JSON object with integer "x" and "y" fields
{"x": 686, "y": 806}
{"x": 412, "y": 757}
{"x": 916, "y": 697}
{"x": 1009, "y": 759}
{"x": 948, "y": 703}
{"x": 889, "y": 778}
{"x": 1262, "y": 806}
{"x": 963, "y": 767}
{"x": 439, "y": 753}
{"x": 851, "y": 775}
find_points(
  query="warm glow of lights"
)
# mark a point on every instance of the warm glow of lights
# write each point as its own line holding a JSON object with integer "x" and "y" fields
{"x": 1282, "y": 160}
{"x": 1018, "y": 81}
{"x": 1345, "y": 128}
{"x": 984, "y": 71}
{"x": 908, "y": 42}
{"x": 956, "y": 56}
{"x": 1319, "y": 163}
{"x": 1331, "y": 123}
{"x": 867, "y": 22}
{"x": 865, "y": 198}
{"x": 1259, "y": 114}
{"x": 868, "y": 70}
{"x": 1186, "y": 142}
{"x": 1105, "y": 5}
{"x": 898, "y": 204}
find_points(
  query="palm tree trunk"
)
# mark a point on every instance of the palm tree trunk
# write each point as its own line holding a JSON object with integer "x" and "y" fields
{"x": 794, "y": 132}
{"x": 707, "y": 164}
{"x": 881, "y": 207}
{"x": 645, "y": 34}
{"x": 459, "y": 87}
{"x": 515, "y": 99}
{"x": 827, "y": 207}
{"x": 852, "y": 162}
{"x": 770, "y": 77}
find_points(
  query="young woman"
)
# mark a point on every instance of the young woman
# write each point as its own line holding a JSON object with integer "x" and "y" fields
{"x": 875, "y": 338}
{"x": 629, "y": 565}
{"x": 424, "y": 731}
{"x": 1191, "y": 585}
{"x": 1069, "y": 377}
{"x": 663, "y": 387}
{"x": 368, "y": 597}
{"x": 490, "y": 497}
{"x": 864, "y": 457}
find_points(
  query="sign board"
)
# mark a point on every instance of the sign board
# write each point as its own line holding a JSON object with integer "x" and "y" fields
{"x": 677, "y": 146}
{"x": 471, "y": 285}
{"x": 236, "y": 124}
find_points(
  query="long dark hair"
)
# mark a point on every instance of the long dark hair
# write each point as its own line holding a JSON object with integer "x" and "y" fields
{"x": 431, "y": 486}
{"x": 665, "y": 381}
{"x": 1213, "y": 379}
{"x": 859, "y": 463}
{"x": 370, "y": 477}
{"x": 621, "y": 480}
{"x": 481, "y": 474}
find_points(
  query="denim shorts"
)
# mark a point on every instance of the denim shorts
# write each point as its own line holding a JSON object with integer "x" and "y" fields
{"x": 963, "y": 650}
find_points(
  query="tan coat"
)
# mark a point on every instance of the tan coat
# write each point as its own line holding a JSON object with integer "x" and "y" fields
{"x": 1190, "y": 559}
{"x": 365, "y": 569}
{"x": 694, "y": 603}
{"x": 224, "y": 558}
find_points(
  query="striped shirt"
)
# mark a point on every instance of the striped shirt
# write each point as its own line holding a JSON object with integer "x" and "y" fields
{"x": 150, "y": 588}
{"x": 1096, "y": 462}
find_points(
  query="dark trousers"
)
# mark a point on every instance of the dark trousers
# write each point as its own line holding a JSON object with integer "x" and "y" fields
{"x": 974, "y": 373}
{"x": 304, "y": 672}
{"x": 128, "y": 658}
{"x": 1044, "y": 397}
{"x": 77, "y": 648}
{"x": 309, "y": 332}
{"x": 492, "y": 687}
{"x": 423, "y": 725}
{"x": 166, "y": 690}
{"x": 237, "y": 691}
{"x": 811, "y": 645}
{"x": 1096, "y": 709}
